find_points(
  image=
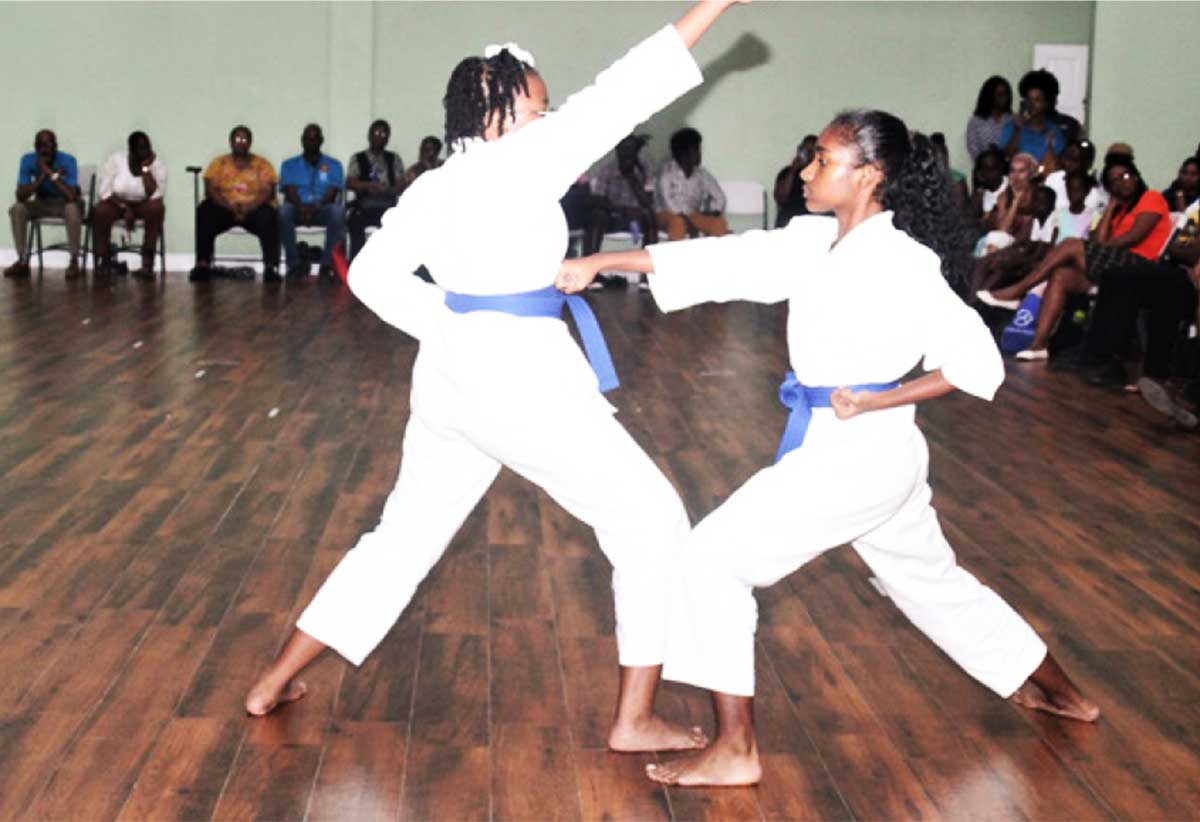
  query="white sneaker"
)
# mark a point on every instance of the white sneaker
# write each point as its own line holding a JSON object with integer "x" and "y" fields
{"x": 1032, "y": 354}
{"x": 986, "y": 298}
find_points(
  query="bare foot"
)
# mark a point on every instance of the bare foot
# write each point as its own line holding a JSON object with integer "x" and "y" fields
{"x": 1069, "y": 705}
{"x": 716, "y": 766}
{"x": 264, "y": 698}
{"x": 655, "y": 734}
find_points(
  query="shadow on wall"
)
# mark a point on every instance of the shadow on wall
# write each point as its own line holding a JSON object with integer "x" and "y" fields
{"x": 747, "y": 52}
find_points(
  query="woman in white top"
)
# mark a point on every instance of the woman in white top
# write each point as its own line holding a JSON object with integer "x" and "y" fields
{"x": 867, "y": 301}
{"x": 1077, "y": 158}
{"x": 130, "y": 187}
{"x": 491, "y": 389}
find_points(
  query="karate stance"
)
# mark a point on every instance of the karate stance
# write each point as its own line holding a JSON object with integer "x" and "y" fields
{"x": 493, "y": 385}
{"x": 867, "y": 301}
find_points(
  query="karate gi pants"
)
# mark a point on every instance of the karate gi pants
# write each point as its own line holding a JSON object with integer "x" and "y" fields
{"x": 814, "y": 499}
{"x": 454, "y": 445}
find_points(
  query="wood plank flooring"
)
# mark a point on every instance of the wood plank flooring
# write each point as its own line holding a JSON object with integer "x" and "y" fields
{"x": 181, "y": 466}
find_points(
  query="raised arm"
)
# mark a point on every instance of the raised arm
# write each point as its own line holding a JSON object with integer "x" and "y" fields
{"x": 586, "y": 127}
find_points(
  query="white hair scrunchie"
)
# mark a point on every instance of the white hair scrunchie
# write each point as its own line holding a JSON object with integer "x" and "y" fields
{"x": 521, "y": 54}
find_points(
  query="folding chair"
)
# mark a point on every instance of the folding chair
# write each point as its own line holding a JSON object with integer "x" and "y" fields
{"x": 87, "y": 180}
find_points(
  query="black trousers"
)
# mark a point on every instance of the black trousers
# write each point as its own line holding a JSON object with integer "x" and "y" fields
{"x": 357, "y": 221}
{"x": 1168, "y": 296}
{"x": 212, "y": 219}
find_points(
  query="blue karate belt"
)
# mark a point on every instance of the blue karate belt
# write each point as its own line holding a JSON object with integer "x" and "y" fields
{"x": 547, "y": 302}
{"x": 802, "y": 399}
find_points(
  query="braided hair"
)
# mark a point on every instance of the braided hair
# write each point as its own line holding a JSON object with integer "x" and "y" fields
{"x": 916, "y": 186}
{"x": 480, "y": 89}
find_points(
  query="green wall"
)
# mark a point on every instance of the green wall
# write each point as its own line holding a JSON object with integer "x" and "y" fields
{"x": 186, "y": 72}
{"x": 1143, "y": 90}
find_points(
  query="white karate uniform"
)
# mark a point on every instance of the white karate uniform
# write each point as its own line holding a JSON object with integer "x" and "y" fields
{"x": 492, "y": 389}
{"x": 864, "y": 312}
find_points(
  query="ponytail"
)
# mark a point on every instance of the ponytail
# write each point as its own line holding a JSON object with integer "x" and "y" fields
{"x": 481, "y": 88}
{"x": 916, "y": 187}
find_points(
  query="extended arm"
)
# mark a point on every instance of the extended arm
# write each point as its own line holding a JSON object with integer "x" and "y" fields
{"x": 758, "y": 265}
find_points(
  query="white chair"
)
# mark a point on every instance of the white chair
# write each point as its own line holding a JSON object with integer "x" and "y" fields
{"x": 87, "y": 187}
{"x": 745, "y": 198}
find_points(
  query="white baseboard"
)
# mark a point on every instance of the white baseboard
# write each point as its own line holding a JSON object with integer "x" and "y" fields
{"x": 177, "y": 262}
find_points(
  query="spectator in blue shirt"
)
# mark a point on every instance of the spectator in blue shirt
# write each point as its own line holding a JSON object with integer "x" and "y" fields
{"x": 47, "y": 186}
{"x": 312, "y": 186}
{"x": 1032, "y": 130}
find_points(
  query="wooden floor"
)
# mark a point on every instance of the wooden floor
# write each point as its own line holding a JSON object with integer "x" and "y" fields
{"x": 181, "y": 466}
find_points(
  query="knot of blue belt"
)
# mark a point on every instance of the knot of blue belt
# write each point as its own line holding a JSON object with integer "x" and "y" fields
{"x": 547, "y": 302}
{"x": 802, "y": 399}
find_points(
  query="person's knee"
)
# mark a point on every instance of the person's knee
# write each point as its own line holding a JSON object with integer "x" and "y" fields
{"x": 287, "y": 214}
{"x": 19, "y": 210}
{"x": 153, "y": 210}
{"x": 335, "y": 214}
{"x": 104, "y": 213}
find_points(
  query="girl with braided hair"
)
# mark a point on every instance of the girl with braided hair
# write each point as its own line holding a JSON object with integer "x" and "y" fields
{"x": 868, "y": 298}
{"x": 498, "y": 380}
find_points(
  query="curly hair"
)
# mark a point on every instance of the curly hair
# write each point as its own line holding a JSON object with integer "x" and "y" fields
{"x": 480, "y": 89}
{"x": 987, "y": 93}
{"x": 1042, "y": 80}
{"x": 916, "y": 187}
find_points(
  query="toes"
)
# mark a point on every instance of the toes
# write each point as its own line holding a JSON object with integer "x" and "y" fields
{"x": 661, "y": 774}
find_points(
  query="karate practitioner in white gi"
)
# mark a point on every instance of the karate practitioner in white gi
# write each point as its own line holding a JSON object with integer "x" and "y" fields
{"x": 867, "y": 301}
{"x": 491, "y": 388}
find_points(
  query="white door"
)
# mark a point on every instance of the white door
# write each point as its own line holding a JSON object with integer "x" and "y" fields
{"x": 1069, "y": 64}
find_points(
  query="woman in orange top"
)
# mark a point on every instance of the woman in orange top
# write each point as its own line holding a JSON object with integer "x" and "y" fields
{"x": 1134, "y": 229}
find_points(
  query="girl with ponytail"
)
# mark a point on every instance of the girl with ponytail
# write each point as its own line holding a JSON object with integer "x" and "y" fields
{"x": 869, "y": 298}
{"x": 498, "y": 380}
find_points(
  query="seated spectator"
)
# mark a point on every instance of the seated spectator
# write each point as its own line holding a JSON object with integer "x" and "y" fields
{"x": 428, "y": 158}
{"x": 1078, "y": 157}
{"x": 1134, "y": 229}
{"x": 958, "y": 180}
{"x": 689, "y": 199}
{"x": 131, "y": 186}
{"x": 1032, "y": 130}
{"x": 989, "y": 179}
{"x": 1012, "y": 214}
{"x": 620, "y": 200}
{"x": 993, "y": 111}
{"x": 1186, "y": 188}
{"x": 47, "y": 186}
{"x": 1164, "y": 292}
{"x": 789, "y": 188}
{"x": 239, "y": 190}
{"x": 1015, "y": 258}
{"x": 376, "y": 176}
{"x": 312, "y": 187}
{"x": 1074, "y": 220}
